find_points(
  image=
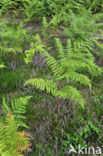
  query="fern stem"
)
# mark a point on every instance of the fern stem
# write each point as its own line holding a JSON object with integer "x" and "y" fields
{"x": 58, "y": 101}
{"x": 15, "y": 56}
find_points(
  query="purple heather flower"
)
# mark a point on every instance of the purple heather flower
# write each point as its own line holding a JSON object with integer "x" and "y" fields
{"x": 62, "y": 132}
{"x": 39, "y": 61}
{"x": 55, "y": 147}
{"x": 56, "y": 138}
{"x": 28, "y": 26}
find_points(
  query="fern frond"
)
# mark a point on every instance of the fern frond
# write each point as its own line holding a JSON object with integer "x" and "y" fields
{"x": 61, "y": 52}
{"x": 72, "y": 61}
{"x": 45, "y": 26}
{"x": 18, "y": 108}
{"x": 51, "y": 61}
{"x": 12, "y": 36}
{"x": 83, "y": 25}
{"x": 30, "y": 53}
{"x": 49, "y": 85}
{"x": 69, "y": 47}
{"x": 72, "y": 93}
{"x": 6, "y": 108}
{"x": 76, "y": 77}
{"x": 11, "y": 140}
{"x": 2, "y": 66}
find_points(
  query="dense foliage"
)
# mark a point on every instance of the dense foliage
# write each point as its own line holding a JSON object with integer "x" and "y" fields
{"x": 51, "y": 60}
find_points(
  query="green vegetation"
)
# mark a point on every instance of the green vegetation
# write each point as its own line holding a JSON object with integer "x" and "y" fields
{"x": 51, "y": 76}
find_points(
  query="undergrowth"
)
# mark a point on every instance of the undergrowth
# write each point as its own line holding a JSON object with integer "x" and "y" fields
{"x": 51, "y": 51}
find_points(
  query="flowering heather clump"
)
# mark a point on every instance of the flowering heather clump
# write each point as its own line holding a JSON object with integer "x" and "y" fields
{"x": 39, "y": 61}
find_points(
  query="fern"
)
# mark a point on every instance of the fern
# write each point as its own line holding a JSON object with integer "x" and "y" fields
{"x": 33, "y": 9}
{"x": 18, "y": 108}
{"x": 49, "y": 85}
{"x": 9, "y": 4}
{"x": 72, "y": 93}
{"x": 51, "y": 25}
{"x": 2, "y": 66}
{"x": 12, "y": 37}
{"x": 83, "y": 25}
{"x": 45, "y": 26}
{"x": 67, "y": 68}
{"x": 12, "y": 141}
{"x": 94, "y": 5}
{"x": 29, "y": 53}
{"x": 61, "y": 53}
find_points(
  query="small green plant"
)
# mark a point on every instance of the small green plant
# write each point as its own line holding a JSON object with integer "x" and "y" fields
{"x": 81, "y": 135}
{"x": 75, "y": 140}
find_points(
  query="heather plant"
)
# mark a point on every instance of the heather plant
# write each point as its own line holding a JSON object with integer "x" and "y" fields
{"x": 39, "y": 61}
{"x": 81, "y": 136}
{"x": 57, "y": 125}
{"x": 52, "y": 127}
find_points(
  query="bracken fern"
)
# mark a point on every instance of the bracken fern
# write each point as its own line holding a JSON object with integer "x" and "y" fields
{"x": 67, "y": 69}
{"x": 12, "y": 140}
